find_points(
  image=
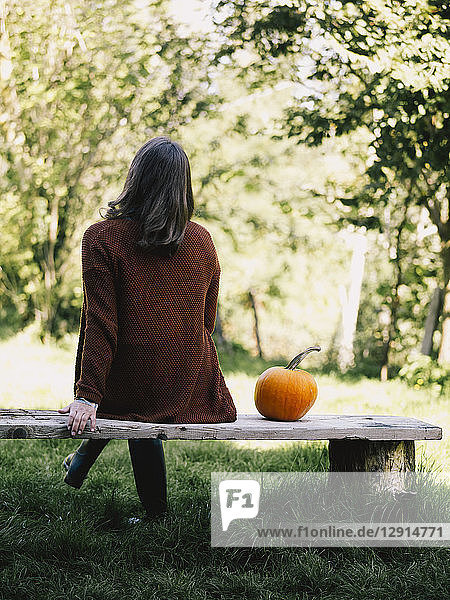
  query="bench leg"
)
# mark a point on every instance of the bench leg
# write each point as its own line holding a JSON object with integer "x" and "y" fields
{"x": 365, "y": 455}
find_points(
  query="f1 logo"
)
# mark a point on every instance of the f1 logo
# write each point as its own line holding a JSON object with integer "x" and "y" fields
{"x": 239, "y": 499}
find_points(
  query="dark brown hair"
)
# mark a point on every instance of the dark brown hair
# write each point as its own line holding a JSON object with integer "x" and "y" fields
{"x": 158, "y": 195}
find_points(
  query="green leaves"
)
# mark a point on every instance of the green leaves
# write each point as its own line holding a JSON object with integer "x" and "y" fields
{"x": 376, "y": 74}
{"x": 87, "y": 87}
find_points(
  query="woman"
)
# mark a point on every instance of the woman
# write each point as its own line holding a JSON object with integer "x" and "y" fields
{"x": 150, "y": 288}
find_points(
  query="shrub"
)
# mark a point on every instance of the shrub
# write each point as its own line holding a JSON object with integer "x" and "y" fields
{"x": 423, "y": 372}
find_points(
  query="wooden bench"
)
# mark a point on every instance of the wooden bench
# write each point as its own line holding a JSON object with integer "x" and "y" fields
{"x": 356, "y": 443}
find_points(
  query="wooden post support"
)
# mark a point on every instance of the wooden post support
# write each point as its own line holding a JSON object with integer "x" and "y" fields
{"x": 365, "y": 455}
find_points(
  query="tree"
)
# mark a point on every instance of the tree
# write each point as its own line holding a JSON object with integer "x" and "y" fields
{"x": 375, "y": 67}
{"x": 81, "y": 88}
{"x": 350, "y": 302}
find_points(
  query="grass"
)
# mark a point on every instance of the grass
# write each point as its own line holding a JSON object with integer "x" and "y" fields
{"x": 57, "y": 542}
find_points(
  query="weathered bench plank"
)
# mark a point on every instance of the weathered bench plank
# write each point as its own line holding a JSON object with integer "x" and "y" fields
{"x": 25, "y": 423}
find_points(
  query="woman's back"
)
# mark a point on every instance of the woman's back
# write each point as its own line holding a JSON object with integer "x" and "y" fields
{"x": 150, "y": 355}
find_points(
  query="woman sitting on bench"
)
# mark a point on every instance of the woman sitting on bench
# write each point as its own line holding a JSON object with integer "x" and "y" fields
{"x": 150, "y": 289}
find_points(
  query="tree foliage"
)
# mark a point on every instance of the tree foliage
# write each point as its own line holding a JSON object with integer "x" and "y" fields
{"x": 87, "y": 83}
{"x": 377, "y": 68}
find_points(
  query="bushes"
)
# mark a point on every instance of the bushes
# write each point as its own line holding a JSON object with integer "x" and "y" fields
{"x": 422, "y": 372}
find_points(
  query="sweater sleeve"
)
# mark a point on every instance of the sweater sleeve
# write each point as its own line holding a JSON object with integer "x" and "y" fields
{"x": 211, "y": 299}
{"x": 98, "y": 328}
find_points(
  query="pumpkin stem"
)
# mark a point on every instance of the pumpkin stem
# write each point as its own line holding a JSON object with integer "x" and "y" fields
{"x": 294, "y": 362}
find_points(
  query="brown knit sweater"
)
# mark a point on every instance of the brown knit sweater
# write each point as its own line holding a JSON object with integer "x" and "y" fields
{"x": 145, "y": 349}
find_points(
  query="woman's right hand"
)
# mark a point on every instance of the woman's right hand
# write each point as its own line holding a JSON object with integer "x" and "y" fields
{"x": 79, "y": 414}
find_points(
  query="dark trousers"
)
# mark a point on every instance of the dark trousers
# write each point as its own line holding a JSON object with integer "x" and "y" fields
{"x": 149, "y": 468}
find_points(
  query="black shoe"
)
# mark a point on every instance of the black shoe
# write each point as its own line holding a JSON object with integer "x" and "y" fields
{"x": 78, "y": 463}
{"x": 75, "y": 477}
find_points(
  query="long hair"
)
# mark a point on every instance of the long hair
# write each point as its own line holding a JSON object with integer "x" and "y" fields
{"x": 158, "y": 195}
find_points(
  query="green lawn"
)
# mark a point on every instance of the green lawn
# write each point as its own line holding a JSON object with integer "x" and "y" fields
{"x": 57, "y": 542}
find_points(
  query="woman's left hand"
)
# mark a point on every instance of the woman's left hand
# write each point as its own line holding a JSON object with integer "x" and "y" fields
{"x": 79, "y": 414}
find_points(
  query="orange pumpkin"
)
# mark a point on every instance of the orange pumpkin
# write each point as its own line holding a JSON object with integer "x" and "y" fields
{"x": 284, "y": 393}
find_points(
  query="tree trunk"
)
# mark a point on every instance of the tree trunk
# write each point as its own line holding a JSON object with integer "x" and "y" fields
{"x": 333, "y": 347}
{"x": 391, "y": 329}
{"x": 256, "y": 325}
{"x": 350, "y": 303}
{"x": 48, "y": 265}
{"x": 440, "y": 216}
{"x": 444, "y": 349}
{"x": 218, "y": 331}
{"x": 432, "y": 320}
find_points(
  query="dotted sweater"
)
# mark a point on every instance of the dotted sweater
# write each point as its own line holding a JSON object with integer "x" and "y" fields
{"x": 145, "y": 349}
